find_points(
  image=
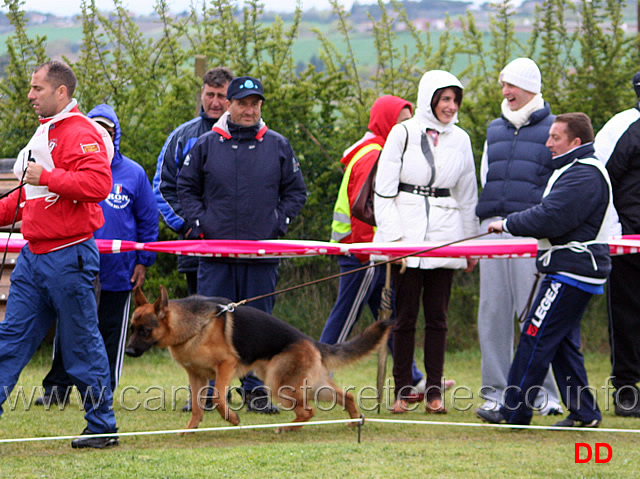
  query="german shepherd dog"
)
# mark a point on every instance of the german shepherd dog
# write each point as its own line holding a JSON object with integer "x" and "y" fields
{"x": 211, "y": 342}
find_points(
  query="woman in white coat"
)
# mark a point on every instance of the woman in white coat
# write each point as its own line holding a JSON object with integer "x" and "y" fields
{"x": 426, "y": 190}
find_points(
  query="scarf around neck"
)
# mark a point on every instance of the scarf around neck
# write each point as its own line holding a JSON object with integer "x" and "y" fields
{"x": 520, "y": 117}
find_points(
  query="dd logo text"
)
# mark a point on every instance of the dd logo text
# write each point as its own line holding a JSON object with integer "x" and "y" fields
{"x": 587, "y": 452}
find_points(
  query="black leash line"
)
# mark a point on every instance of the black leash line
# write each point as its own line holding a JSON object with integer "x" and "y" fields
{"x": 231, "y": 306}
{"x": 4, "y": 195}
{"x": 15, "y": 216}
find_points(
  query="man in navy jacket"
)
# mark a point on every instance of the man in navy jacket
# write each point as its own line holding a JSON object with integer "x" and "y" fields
{"x": 572, "y": 224}
{"x": 165, "y": 181}
{"x": 241, "y": 181}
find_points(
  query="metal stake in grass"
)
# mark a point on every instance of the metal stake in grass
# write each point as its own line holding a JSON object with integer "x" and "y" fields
{"x": 384, "y": 313}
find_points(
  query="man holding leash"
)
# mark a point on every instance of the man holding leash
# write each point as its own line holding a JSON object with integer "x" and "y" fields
{"x": 241, "y": 181}
{"x": 572, "y": 224}
{"x": 65, "y": 169}
{"x": 130, "y": 214}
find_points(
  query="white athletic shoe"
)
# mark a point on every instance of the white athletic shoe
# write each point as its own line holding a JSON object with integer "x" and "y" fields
{"x": 551, "y": 409}
{"x": 422, "y": 385}
{"x": 449, "y": 383}
{"x": 493, "y": 406}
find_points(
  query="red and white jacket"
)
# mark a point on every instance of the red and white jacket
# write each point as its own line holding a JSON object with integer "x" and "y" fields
{"x": 76, "y": 154}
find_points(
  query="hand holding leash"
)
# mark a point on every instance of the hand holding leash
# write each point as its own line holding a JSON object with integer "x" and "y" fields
{"x": 33, "y": 172}
{"x": 333, "y": 276}
{"x": 495, "y": 227}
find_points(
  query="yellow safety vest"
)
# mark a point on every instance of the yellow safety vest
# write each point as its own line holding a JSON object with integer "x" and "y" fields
{"x": 341, "y": 224}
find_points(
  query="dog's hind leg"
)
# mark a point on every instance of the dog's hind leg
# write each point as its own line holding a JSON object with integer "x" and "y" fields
{"x": 303, "y": 413}
{"x": 224, "y": 375}
{"x": 331, "y": 392}
{"x": 292, "y": 398}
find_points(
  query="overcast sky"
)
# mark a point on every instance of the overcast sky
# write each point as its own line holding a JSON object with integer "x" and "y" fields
{"x": 70, "y": 7}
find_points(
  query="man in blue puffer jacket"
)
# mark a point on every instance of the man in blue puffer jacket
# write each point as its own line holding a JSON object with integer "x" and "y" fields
{"x": 572, "y": 224}
{"x": 514, "y": 170}
{"x": 131, "y": 213}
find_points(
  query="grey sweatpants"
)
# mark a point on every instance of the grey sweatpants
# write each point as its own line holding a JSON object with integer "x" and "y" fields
{"x": 505, "y": 285}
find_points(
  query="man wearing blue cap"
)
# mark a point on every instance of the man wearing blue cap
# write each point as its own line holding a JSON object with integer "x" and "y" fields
{"x": 241, "y": 181}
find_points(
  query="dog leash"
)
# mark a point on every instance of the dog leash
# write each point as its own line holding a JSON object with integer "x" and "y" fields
{"x": 232, "y": 306}
{"x": 15, "y": 216}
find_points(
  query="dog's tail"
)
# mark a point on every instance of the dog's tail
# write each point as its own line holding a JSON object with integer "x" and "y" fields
{"x": 373, "y": 337}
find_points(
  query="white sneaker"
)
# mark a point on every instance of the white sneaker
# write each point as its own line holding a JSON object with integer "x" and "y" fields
{"x": 422, "y": 385}
{"x": 551, "y": 409}
{"x": 449, "y": 383}
{"x": 490, "y": 405}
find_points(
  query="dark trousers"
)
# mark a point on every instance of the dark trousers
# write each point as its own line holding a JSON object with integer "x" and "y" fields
{"x": 192, "y": 282}
{"x": 551, "y": 335}
{"x": 434, "y": 287}
{"x": 624, "y": 322}
{"x": 354, "y": 292}
{"x": 113, "y": 318}
{"x": 238, "y": 281}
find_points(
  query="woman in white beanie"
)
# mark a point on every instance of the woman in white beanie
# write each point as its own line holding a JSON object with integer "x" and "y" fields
{"x": 426, "y": 191}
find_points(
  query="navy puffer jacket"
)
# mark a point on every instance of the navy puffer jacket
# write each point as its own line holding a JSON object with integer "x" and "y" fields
{"x": 519, "y": 165}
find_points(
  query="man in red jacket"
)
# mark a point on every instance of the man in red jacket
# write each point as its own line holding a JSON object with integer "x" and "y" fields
{"x": 66, "y": 172}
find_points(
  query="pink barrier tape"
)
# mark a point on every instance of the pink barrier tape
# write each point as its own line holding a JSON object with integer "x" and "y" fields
{"x": 513, "y": 248}
{"x": 245, "y": 248}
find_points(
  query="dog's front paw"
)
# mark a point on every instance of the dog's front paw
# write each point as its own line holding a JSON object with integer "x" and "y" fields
{"x": 357, "y": 421}
{"x": 232, "y": 417}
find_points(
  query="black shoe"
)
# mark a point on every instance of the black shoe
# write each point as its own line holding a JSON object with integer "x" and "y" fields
{"x": 568, "y": 422}
{"x": 629, "y": 408}
{"x": 52, "y": 399}
{"x": 490, "y": 416}
{"x": 258, "y": 401}
{"x": 88, "y": 439}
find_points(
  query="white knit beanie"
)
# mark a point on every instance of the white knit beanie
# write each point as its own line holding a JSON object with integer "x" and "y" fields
{"x": 523, "y": 73}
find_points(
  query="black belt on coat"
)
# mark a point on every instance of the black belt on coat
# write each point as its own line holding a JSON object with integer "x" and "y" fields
{"x": 424, "y": 190}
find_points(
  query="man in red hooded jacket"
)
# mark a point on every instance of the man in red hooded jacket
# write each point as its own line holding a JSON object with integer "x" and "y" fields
{"x": 66, "y": 172}
{"x": 364, "y": 287}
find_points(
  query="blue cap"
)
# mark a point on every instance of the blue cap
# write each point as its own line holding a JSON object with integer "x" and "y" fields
{"x": 241, "y": 87}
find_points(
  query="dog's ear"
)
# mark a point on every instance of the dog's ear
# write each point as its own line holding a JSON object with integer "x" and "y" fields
{"x": 162, "y": 303}
{"x": 138, "y": 297}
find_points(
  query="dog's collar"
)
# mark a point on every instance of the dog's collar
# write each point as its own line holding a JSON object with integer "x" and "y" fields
{"x": 229, "y": 308}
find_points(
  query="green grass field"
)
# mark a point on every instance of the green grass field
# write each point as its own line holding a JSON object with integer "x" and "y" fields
{"x": 385, "y": 450}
